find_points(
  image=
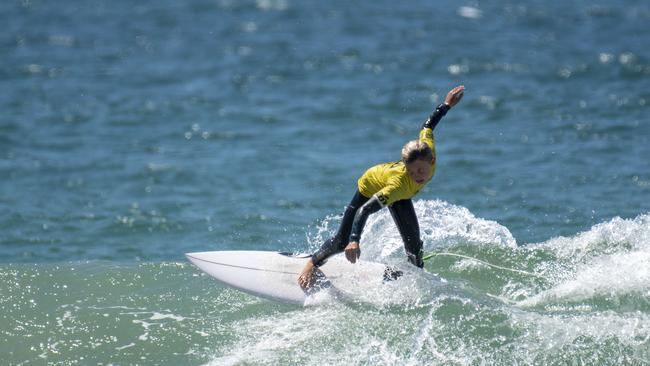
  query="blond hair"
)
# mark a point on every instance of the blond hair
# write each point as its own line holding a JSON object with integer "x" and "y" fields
{"x": 416, "y": 149}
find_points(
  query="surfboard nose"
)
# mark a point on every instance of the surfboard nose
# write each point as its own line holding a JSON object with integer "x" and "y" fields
{"x": 263, "y": 274}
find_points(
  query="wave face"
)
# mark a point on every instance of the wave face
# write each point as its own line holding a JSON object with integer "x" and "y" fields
{"x": 582, "y": 299}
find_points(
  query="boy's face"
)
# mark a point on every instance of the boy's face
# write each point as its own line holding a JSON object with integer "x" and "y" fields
{"x": 419, "y": 170}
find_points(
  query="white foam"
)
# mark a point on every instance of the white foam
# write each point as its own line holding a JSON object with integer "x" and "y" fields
{"x": 260, "y": 339}
{"x": 616, "y": 235}
{"x": 442, "y": 225}
{"x": 549, "y": 332}
{"x": 335, "y": 335}
{"x": 414, "y": 287}
{"x": 613, "y": 275}
{"x": 587, "y": 276}
{"x": 159, "y": 316}
{"x": 125, "y": 346}
{"x": 612, "y": 259}
{"x": 470, "y": 12}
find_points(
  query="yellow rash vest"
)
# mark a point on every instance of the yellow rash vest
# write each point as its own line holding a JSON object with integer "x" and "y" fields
{"x": 390, "y": 181}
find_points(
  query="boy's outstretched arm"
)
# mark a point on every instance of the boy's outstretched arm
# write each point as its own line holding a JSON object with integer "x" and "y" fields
{"x": 453, "y": 97}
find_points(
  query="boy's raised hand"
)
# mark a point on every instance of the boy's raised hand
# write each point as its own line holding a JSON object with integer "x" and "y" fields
{"x": 454, "y": 96}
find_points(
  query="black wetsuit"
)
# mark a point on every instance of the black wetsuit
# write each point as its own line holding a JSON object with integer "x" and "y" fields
{"x": 402, "y": 211}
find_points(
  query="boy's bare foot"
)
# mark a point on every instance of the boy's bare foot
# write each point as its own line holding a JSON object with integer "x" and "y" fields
{"x": 306, "y": 278}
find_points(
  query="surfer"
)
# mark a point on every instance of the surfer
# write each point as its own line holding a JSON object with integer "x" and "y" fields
{"x": 389, "y": 185}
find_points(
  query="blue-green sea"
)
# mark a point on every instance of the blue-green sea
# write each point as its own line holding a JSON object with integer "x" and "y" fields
{"x": 132, "y": 132}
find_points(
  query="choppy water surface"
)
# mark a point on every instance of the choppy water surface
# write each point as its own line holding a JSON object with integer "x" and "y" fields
{"x": 132, "y": 133}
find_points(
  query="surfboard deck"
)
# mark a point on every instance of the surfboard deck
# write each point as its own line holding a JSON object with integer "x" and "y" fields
{"x": 274, "y": 275}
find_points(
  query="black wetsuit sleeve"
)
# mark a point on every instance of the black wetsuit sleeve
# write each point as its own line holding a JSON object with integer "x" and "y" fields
{"x": 436, "y": 116}
{"x": 373, "y": 205}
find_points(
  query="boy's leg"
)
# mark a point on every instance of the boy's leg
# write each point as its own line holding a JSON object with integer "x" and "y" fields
{"x": 407, "y": 223}
{"x": 332, "y": 246}
{"x": 338, "y": 243}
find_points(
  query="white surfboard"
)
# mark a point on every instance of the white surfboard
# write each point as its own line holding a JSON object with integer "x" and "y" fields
{"x": 274, "y": 275}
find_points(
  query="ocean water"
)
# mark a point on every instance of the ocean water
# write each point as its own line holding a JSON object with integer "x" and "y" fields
{"x": 134, "y": 132}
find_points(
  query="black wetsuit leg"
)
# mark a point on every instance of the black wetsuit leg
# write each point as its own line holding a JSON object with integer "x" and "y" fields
{"x": 338, "y": 243}
{"x": 407, "y": 223}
